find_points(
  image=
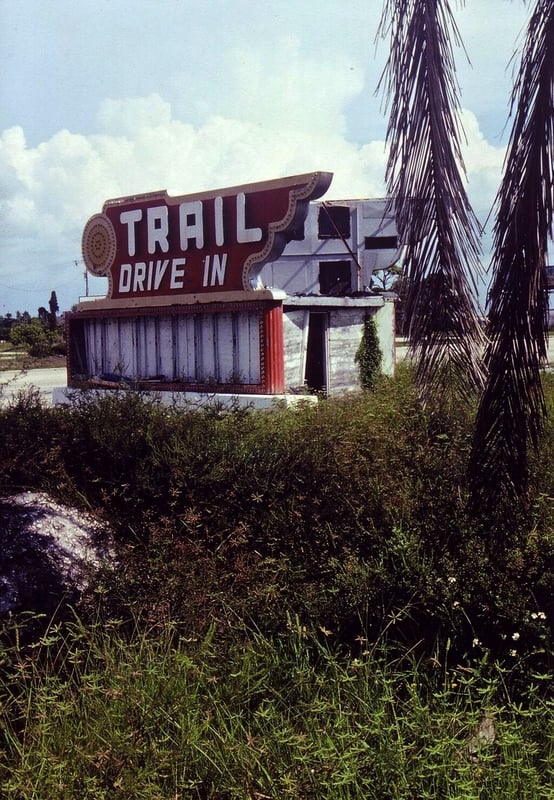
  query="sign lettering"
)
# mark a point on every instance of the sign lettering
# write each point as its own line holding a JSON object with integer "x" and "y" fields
{"x": 155, "y": 245}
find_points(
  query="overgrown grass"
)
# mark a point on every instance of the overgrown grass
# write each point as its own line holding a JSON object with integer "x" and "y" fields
{"x": 348, "y": 514}
{"x": 94, "y": 712}
{"x": 303, "y": 606}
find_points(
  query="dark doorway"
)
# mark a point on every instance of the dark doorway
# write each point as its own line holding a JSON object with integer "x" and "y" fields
{"x": 316, "y": 353}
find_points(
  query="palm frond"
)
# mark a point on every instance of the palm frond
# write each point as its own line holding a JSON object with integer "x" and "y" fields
{"x": 424, "y": 176}
{"x": 512, "y": 407}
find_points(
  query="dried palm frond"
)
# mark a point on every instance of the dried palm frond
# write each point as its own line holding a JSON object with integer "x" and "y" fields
{"x": 512, "y": 407}
{"x": 424, "y": 177}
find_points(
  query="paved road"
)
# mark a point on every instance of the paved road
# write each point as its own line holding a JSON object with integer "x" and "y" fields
{"x": 401, "y": 350}
{"x": 46, "y": 379}
{"x": 13, "y": 381}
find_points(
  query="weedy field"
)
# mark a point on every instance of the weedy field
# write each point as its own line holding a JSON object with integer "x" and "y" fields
{"x": 303, "y": 606}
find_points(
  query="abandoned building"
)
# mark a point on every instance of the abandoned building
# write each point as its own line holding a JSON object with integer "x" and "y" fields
{"x": 257, "y": 290}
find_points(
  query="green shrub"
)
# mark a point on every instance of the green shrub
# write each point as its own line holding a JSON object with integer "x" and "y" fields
{"x": 34, "y": 336}
{"x": 369, "y": 355}
{"x": 30, "y": 445}
{"x": 350, "y": 513}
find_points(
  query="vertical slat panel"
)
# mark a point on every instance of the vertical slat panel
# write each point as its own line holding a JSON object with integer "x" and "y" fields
{"x": 127, "y": 338}
{"x": 90, "y": 338}
{"x": 112, "y": 360}
{"x": 198, "y": 372}
{"x": 190, "y": 346}
{"x": 220, "y": 347}
{"x": 179, "y": 358}
{"x": 150, "y": 352}
{"x": 227, "y": 367}
{"x": 140, "y": 339}
{"x": 185, "y": 348}
{"x": 207, "y": 369}
{"x": 214, "y": 327}
{"x": 254, "y": 353}
{"x": 237, "y": 371}
{"x": 247, "y": 346}
{"x": 273, "y": 354}
{"x": 295, "y": 330}
{"x": 165, "y": 342}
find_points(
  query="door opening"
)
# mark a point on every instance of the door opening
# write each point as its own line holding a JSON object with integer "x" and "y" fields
{"x": 316, "y": 353}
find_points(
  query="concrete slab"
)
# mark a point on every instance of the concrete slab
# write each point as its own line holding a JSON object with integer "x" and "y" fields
{"x": 62, "y": 395}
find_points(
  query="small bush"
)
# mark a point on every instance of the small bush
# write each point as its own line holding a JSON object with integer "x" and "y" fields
{"x": 34, "y": 336}
{"x": 369, "y": 355}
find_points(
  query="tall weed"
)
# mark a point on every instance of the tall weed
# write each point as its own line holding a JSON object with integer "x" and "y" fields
{"x": 95, "y": 712}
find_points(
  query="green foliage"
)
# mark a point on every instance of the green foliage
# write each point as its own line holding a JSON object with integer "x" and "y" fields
{"x": 406, "y": 647}
{"x": 369, "y": 355}
{"x": 29, "y": 444}
{"x": 386, "y": 278}
{"x": 349, "y": 513}
{"x": 95, "y": 712}
{"x": 34, "y": 336}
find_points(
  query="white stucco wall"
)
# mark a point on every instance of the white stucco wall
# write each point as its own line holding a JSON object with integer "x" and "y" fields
{"x": 298, "y": 268}
{"x": 344, "y": 328}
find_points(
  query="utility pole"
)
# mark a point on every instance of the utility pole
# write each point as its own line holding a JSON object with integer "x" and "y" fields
{"x": 80, "y": 261}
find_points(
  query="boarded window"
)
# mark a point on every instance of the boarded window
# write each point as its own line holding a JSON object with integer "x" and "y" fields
{"x": 334, "y": 222}
{"x": 335, "y": 278}
{"x": 381, "y": 243}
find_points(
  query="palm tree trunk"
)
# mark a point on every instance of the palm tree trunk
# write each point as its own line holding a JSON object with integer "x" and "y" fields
{"x": 434, "y": 217}
{"x": 512, "y": 407}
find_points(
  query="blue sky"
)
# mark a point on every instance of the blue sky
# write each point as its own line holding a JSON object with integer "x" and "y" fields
{"x": 109, "y": 98}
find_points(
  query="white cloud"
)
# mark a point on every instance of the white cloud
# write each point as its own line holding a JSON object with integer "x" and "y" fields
{"x": 191, "y": 96}
{"x": 50, "y": 191}
{"x": 484, "y": 165}
{"x": 123, "y": 117}
{"x": 281, "y": 86}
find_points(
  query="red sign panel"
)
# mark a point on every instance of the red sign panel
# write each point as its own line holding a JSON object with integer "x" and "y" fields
{"x": 154, "y": 245}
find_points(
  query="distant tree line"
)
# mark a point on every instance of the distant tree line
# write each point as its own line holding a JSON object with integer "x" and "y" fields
{"x": 37, "y": 334}
{"x": 9, "y": 321}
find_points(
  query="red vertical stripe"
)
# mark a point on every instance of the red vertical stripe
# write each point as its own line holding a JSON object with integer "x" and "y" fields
{"x": 273, "y": 349}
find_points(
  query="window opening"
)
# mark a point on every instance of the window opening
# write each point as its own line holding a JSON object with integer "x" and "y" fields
{"x": 334, "y": 222}
{"x": 381, "y": 242}
{"x": 335, "y": 278}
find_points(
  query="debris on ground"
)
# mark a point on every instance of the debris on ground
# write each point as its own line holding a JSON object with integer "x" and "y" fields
{"x": 47, "y": 553}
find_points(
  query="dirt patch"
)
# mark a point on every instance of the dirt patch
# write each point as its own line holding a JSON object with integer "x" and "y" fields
{"x": 18, "y": 361}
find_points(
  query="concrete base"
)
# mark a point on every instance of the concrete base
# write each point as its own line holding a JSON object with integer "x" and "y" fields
{"x": 63, "y": 395}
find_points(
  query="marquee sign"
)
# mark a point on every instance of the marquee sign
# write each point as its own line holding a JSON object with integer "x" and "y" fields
{"x": 157, "y": 246}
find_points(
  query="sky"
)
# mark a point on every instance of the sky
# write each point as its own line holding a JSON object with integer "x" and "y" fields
{"x": 111, "y": 98}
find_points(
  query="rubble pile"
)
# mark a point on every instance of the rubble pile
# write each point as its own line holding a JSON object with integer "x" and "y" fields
{"x": 47, "y": 553}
